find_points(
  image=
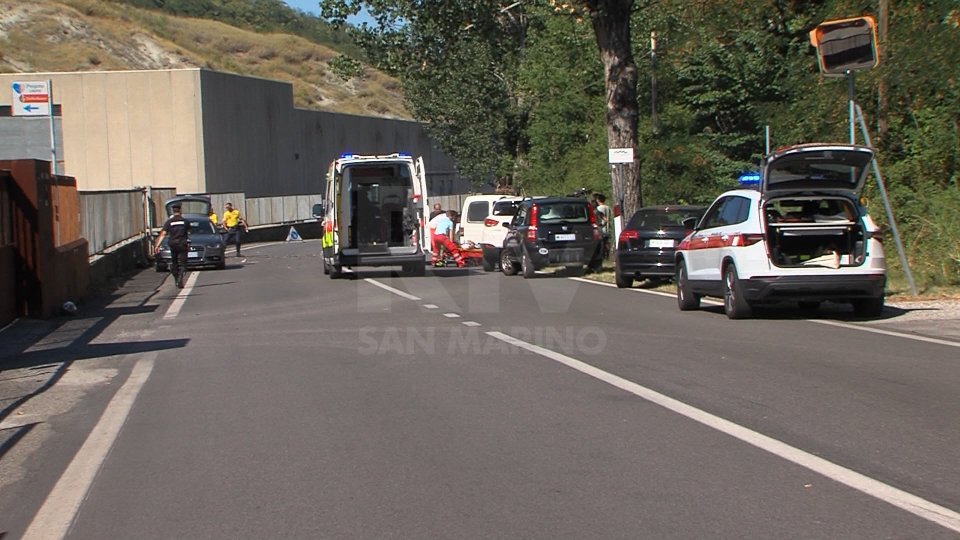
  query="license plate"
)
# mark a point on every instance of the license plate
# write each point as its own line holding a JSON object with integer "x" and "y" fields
{"x": 659, "y": 243}
{"x": 193, "y": 255}
{"x": 564, "y": 237}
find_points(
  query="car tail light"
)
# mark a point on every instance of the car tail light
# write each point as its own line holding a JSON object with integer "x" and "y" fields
{"x": 534, "y": 210}
{"x": 629, "y": 235}
{"x": 745, "y": 239}
{"x": 488, "y": 222}
{"x": 592, "y": 214}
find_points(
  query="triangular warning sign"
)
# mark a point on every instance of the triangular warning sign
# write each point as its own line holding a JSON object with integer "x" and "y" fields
{"x": 293, "y": 236}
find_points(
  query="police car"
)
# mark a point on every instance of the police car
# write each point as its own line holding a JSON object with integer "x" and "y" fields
{"x": 800, "y": 236}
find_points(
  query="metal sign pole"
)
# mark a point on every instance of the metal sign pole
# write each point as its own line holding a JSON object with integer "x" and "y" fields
{"x": 851, "y": 98}
{"x": 54, "y": 184}
{"x": 886, "y": 206}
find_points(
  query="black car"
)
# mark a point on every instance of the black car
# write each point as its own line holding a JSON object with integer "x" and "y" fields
{"x": 646, "y": 245}
{"x": 553, "y": 231}
{"x": 206, "y": 243}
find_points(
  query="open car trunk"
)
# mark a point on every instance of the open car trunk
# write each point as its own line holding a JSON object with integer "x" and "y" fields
{"x": 815, "y": 232}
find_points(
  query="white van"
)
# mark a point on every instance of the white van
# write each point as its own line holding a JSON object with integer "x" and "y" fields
{"x": 476, "y": 209}
{"x": 373, "y": 213}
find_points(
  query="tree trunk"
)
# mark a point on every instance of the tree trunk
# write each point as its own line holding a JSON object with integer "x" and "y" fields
{"x": 882, "y": 95}
{"x": 611, "y": 25}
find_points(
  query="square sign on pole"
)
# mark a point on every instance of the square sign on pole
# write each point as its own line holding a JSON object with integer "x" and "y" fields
{"x": 31, "y": 98}
{"x": 621, "y": 155}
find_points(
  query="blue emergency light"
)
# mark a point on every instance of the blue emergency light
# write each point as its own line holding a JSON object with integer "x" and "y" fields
{"x": 749, "y": 179}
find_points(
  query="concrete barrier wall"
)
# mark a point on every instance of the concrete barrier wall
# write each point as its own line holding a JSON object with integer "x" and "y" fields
{"x": 110, "y": 217}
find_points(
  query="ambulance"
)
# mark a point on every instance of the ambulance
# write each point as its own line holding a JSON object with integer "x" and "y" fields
{"x": 373, "y": 213}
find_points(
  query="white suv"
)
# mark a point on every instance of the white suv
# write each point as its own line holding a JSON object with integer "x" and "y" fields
{"x": 801, "y": 237}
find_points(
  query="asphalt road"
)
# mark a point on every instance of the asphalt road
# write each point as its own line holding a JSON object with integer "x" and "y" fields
{"x": 269, "y": 401}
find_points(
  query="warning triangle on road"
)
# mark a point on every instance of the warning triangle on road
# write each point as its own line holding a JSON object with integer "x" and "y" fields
{"x": 294, "y": 236}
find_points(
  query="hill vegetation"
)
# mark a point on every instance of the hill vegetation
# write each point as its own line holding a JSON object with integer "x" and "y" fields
{"x": 96, "y": 35}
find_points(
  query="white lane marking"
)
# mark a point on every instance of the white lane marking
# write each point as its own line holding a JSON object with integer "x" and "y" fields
{"x": 911, "y": 503}
{"x": 892, "y": 333}
{"x": 887, "y": 332}
{"x": 388, "y": 288}
{"x": 54, "y": 518}
{"x": 452, "y": 315}
{"x": 431, "y": 306}
{"x": 470, "y": 323}
{"x": 181, "y": 298}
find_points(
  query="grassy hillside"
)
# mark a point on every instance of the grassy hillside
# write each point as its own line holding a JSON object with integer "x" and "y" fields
{"x": 91, "y": 35}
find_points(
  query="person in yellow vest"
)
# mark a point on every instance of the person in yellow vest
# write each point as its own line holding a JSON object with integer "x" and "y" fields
{"x": 213, "y": 219}
{"x": 232, "y": 222}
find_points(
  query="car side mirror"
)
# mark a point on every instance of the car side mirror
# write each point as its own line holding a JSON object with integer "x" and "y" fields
{"x": 690, "y": 223}
{"x": 318, "y": 210}
{"x": 505, "y": 224}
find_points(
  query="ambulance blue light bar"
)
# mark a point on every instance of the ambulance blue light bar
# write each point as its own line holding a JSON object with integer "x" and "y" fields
{"x": 749, "y": 179}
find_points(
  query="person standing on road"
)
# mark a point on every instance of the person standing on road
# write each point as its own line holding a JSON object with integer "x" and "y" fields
{"x": 442, "y": 229}
{"x": 177, "y": 230}
{"x": 437, "y": 210}
{"x": 213, "y": 219}
{"x": 232, "y": 221}
{"x": 603, "y": 223}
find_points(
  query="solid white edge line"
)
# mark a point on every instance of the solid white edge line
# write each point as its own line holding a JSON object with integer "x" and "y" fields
{"x": 181, "y": 298}
{"x": 920, "y": 507}
{"x": 56, "y": 515}
{"x": 891, "y": 333}
{"x": 388, "y": 288}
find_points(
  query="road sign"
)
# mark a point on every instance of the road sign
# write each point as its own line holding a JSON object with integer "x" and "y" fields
{"x": 31, "y": 98}
{"x": 621, "y": 155}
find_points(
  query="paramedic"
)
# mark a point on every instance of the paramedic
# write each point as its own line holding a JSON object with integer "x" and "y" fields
{"x": 442, "y": 229}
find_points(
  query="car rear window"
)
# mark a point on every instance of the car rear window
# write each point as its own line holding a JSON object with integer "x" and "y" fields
{"x": 202, "y": 226}
{"x": 504, "y": 208}
{"x": 477, "y": 211}
{"x": 566, "y": 212}
{"x": 655, "y": 219}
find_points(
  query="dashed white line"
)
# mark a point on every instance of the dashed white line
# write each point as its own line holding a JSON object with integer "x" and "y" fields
{"x": 923, "y": 508}
{"x": 452, "y": 315}
{"x": 181, "y": 298}
{"x": 397, "y": 292}
{"x": 431, "y": 306}
{"x": 54, "y": 518}
{"x": 470, "y": 323}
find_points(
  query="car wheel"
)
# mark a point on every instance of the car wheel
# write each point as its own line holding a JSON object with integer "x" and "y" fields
{"x": 624, "y": 282}
{"x": 686, "y": 299}
{"x": 506, "y": 264}
{"x": 868, "y": 307}
{"x": 526, "y": 264}
{"x": 488, "y": 265}
{"x": 734, "y": 304}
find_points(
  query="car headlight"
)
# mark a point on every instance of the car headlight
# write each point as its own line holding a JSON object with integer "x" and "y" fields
{"x": 215, "y": 246}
